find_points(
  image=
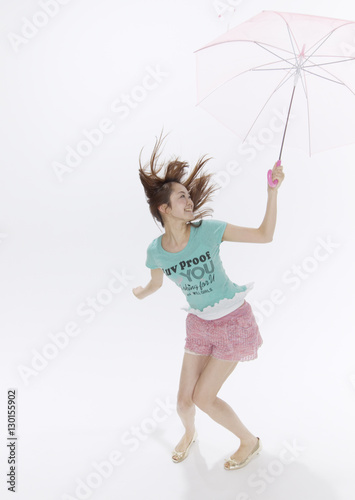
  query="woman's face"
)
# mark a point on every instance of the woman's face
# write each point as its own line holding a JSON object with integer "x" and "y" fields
{"x": 181, "y": 203}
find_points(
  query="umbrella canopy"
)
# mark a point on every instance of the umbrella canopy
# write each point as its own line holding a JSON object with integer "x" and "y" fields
{"x": 250, "y": 71}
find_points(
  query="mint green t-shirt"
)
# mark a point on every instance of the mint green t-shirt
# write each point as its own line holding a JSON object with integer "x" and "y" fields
{"x": 197, "y": 269}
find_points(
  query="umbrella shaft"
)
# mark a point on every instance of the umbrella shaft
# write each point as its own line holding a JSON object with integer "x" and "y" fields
{"x": 288, "y": 115}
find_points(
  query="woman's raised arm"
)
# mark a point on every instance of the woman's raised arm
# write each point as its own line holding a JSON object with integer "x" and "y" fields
{"x": 265, "y": 232}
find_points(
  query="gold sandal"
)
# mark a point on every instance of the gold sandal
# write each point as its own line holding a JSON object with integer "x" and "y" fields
{"x": 238, "y": 465}
{"x": 181, "y": 455}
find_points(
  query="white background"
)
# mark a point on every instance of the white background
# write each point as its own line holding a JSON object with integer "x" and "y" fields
{"x": 62, "y": 240}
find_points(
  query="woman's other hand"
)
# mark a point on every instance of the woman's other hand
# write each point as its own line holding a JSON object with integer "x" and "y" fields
{"x": 137, "y": 291}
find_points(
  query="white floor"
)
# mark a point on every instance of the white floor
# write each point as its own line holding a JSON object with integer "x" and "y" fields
{"x": 99, "y": 420}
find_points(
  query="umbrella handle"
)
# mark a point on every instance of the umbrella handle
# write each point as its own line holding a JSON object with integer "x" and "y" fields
{"x": 269, "y": 176}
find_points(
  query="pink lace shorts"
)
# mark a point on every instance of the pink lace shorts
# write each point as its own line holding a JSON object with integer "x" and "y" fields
{"x": 234, "y": 337}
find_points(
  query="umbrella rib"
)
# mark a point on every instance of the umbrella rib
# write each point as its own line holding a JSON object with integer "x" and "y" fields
{"x": 235, "y": 76}
{"x": 334, "y": 56}
{"x": 237, "y": 41}
{"x": 339, "y": 81}
{"x": 328, "y": 35}
{"x": 293, "y": 48}
{"x": 314, "y": 65}
{"x": 256, "y": 68}
{"x": 319, "y": 46}
{"x": 325, "y": 39}
{"x": 320, "y": 76}
{"x": 290, "y": 32}
{"x": 333, "y": 62}
{"x": 308, "y": 66}
{"x": 345, "y": 85}
{"x": 275, "y": 90}
{"x": 271, "y": 52}
{"x": 271, "y": 69}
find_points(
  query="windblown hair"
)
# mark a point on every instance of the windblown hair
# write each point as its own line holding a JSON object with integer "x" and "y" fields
{"x": 158, "y": 189}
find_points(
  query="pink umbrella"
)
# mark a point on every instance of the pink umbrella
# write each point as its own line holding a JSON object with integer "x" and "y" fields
{"x": 256, "y": 66}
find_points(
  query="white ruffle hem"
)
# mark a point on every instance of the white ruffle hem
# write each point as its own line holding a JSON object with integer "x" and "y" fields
{"x": 223, "y": 307}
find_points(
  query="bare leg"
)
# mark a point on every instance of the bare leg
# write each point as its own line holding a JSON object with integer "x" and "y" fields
{"x": 221, "y": 412}
{"x": 192, "y": 367}
{"x": 205, "y": 397}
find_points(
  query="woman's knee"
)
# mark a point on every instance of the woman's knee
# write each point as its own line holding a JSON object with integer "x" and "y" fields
{"x": 201, "y": 399}
{"x": 184, "y": 403}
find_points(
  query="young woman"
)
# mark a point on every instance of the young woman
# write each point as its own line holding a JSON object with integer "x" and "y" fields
{"x": 220, "y": 326}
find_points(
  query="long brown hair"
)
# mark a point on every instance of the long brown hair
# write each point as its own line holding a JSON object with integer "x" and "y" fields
{"x": 158, "y": 189}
